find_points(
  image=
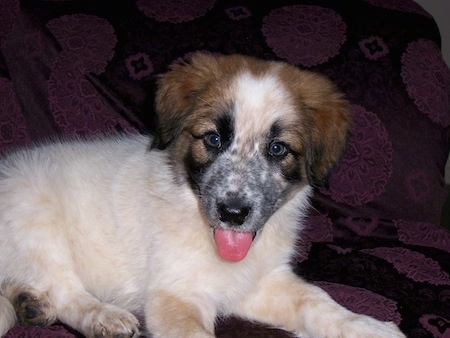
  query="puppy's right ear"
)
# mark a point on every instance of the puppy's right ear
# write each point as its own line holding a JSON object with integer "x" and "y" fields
{"x": 177, "y": 93}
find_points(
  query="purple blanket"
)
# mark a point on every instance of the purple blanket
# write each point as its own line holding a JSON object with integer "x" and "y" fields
{"x": 373, "y": 239}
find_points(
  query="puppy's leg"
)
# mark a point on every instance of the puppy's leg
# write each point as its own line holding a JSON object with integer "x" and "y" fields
{"x": 171, "y": 316}
{"x": 58, "y": 293}
{"x": 46, "y": 264}
{"x": 284, "y": 300}
{"x": 31, "y": 306}
{"x": 82, "y": 311}
{"x": 71, "y": 304}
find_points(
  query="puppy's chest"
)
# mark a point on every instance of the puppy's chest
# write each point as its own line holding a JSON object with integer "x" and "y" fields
{"x": 190, "y": 265}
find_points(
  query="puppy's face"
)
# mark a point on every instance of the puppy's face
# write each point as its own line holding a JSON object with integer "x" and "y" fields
{"x": 245, "y": 134}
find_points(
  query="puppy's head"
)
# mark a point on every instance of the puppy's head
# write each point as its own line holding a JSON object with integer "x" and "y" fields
{"x": 246, "y": 134}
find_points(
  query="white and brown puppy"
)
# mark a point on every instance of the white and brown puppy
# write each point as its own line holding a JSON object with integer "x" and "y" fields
{"x": 197, "y": 223}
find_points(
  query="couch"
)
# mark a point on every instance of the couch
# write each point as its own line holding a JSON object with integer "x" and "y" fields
{"x": 372, "y": 238}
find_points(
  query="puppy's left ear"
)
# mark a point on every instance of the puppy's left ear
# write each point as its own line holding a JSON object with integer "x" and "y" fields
{"x": 327, "y": 121}
{"x": 177, "y": 93}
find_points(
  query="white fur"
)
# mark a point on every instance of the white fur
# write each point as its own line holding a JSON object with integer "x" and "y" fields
{"x": 7, "y": 315}
{"x": 259, "y": 102}
{"x": 88, "y": 215}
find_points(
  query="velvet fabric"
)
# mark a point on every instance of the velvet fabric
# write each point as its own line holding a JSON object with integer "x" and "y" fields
{"x": 372, "y": 239}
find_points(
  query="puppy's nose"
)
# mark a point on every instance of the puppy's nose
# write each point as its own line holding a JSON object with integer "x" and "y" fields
{"x": 233, "y": 211}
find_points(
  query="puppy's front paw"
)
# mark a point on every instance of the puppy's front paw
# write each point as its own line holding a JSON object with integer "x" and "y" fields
{"x": 34, "y": 308}
{"x": 367, "y": 327}
{"x": 112, "y": 322}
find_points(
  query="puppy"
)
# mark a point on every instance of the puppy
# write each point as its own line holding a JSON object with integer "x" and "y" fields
{"x": 196, "y": 223}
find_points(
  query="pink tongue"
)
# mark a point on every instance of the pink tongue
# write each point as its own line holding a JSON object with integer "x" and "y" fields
{"x": 232, "y": 245}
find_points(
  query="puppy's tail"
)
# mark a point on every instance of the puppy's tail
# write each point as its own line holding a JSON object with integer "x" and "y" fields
{"x": 7, "y": 315}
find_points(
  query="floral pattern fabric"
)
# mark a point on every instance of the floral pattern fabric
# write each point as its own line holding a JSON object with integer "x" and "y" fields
{"x": 372, "y": 239}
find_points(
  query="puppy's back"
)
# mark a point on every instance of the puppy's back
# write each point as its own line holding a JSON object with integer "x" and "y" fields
{"x": 46, "y": 191}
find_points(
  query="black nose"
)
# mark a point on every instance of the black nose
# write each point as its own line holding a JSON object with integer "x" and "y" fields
{"x": 233, "y": 211}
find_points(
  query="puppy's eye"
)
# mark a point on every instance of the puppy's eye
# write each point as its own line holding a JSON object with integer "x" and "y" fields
{"x": 277, "y": 149}
{"x": 213, "y": 140}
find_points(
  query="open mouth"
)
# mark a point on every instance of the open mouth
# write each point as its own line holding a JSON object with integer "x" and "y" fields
{"x": 233, "y": 245}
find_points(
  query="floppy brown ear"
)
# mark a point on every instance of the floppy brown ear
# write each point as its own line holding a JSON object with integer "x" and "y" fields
{"x": 176, "y": 95}
{"x": 327, "y": 121}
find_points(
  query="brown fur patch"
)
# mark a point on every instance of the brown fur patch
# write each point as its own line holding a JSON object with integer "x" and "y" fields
{"x": 325, "y": 119}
